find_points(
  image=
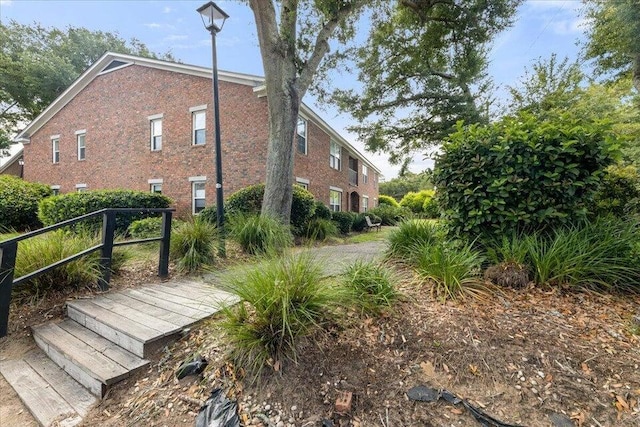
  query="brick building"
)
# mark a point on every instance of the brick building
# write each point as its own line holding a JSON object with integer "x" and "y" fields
{"x": 145, "y": 124}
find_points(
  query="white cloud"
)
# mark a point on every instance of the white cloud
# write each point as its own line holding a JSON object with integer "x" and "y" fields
{"x": 569, "y": 26}
{"x": 153, "y": 25}
{"x": 175, "y": 37}
{"x": 167, "y": 9}
{"x": 548, "y": 4}
{"x": 6, "y": 2}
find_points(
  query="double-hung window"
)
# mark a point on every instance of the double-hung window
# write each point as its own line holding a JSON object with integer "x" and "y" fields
{"x": 156, "y": 188}
{"x": 82, "y": 150}
{"x": 55, "y": 149}
{"x": 335, "y": 200}
{"x": 365, "y": 174}
{"x": 156, "y": 134}
{"x": 334, "y": 156}
{"x": 365, "y": 203}
{"x": 301, "y": 132}
{"x": 198, "y": 195}
{"x": 198, "y": 134}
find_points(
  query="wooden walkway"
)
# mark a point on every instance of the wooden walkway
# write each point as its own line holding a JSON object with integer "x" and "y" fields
{"x": 104, "y": 340}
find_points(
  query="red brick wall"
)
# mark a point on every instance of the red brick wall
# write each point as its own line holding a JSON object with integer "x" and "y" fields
{"x": 114, "y": 110}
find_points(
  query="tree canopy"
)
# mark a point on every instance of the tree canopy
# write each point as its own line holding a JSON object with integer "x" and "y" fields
{"x": 423, "y": 69}
{"x": 614, "y": 37}
{"x": 39, "y": 63}
{"x": 408, "y": 182}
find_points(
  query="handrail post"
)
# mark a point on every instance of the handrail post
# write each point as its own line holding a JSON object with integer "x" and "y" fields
{"x": 7, "y": 268}
{"x": 163, "y": 264}
{"x": 106, "y": 252}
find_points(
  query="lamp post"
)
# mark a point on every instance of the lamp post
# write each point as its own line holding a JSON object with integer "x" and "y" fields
{"x": 21, "y": 163}
{"x": 213, "y": 18}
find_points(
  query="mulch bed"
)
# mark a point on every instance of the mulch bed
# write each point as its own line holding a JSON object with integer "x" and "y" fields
{"x": 528, "y": 357}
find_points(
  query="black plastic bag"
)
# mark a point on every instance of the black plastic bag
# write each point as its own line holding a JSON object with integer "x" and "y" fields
{"x": 193, "y": 367}
{"x": 218, "y": 411}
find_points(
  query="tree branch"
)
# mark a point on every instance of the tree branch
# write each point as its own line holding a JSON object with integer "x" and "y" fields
{"x": 265, "y": 17}
{"x": 288, "y": 21}
{"x": 321, "y": 46}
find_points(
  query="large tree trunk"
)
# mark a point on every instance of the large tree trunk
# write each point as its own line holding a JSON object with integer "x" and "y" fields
{"x": 283, "y": 119}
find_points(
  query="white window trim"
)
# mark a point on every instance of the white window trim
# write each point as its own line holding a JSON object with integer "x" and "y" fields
{"x": 152, "y": 120}
{"x": 81, "y": 187}
{"x": 365, "y": 176}
{"x": 339, "y": 157}
{"x": 78, "y": 134}
{"x": 55, "y": 187}
{"x": 366, "y": 208}
{"x": 155, "y": 116}
{"x": 338, "y": 190}
{"x": 306, "y": 133}
{"x": 193, "y": 194}
{"x": 151, "y": 187}
{"x": 54, "y": 139}
{"x": 193, "y": 126}
{"x": 303, "y": 180}
{"x": 155, "y": 181}
{"x": 198, "y": 108}
{"x": 197, "y": 178}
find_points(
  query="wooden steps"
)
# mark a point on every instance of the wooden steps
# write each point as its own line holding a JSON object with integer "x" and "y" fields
{"x": 51, "y": 395}
{"x": 104, "y": 340}
{"x": 92, "y": 360}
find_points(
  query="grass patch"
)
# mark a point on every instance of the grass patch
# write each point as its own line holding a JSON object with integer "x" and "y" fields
{"x": 283, "y": 300}
{"x": 193, "y": 245}
{"x": 260, "y": 234}
{"x": 372, "y": 286}
{"x": 41, "y": 251}
{"x": 412, "y": 236}
{"x": 454, "y": 271}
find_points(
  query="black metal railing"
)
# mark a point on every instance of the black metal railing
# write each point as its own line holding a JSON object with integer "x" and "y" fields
{"x": 9, "y": 251}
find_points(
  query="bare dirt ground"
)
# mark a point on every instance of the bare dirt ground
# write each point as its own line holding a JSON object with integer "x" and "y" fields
{"x": 530, "y": 357}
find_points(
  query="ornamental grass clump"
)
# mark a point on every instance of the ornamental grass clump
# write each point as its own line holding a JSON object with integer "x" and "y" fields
{"x": 453, "y": 270}
{"x": 321, "y": 229}
{"x": 260, "y": 234}
{"x": 282, "y": 301}
{"x": 193, "y": 245}
{"x": 411, "y": 235}
{"x": 372, "y": 286}
{"x": 600, "y": 254}
{"x": 41, "y": 251}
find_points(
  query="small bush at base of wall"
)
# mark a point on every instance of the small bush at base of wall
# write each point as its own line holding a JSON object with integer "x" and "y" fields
{"x": 322, "y": 211}
{"x": 321, "y": 229}
{"x": 19, "y": 203}
{"x": 343, "y": 220}
{"x": 67, "y": 206}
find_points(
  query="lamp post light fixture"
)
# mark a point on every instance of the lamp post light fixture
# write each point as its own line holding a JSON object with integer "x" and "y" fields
{"x": 21, "y": 163}
{"x": 213, "y": 19}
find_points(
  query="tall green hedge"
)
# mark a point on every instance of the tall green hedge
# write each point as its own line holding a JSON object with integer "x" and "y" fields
{"x": 19, "y": 203}
{"x": 415, "y": 200}
{"x": 619, "y": 192}
{"x": 521, "y": 174}
{"x": 66, "y": 206}
{"x": 249, "y": 201}
{"x": 383, "y": 199}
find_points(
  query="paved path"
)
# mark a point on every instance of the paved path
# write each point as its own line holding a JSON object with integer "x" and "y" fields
{"x": 334, "y": 259}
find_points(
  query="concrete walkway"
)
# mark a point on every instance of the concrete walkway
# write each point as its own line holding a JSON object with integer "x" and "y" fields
{"x": 334, "y": 259}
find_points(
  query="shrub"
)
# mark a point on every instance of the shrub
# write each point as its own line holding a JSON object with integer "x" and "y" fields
{"x": 258, "y": 234}
{"x": 521, "y": 174}
{"x": 210, "y": 214}
{"x": 598, "y": 254}
{"x": 193, "y": 245}
{"x": 372, "y": 286}
{"x": 411, "y": 236}
{"x": 283, "y": 300}
{"x": 248, "y": 201}
{"x": 415, "y": 201}
{"x": 343, "y": 220}
{"x": 430, "y": 208}
{"x": 19, "y": 203}
{"x": 453, "y": 271}
{"x": 390, "y": 215}
{"x": 619, "y": 192}
{"x": 146, "y": 228}
{"x": 321, "y": 229}
{"x": 359, "y": 222}
{"x": 41, "y": 251}
{"x": 66, "y": 206}
{"x": 387, "y": 200}
{"x": 322, "y": 211}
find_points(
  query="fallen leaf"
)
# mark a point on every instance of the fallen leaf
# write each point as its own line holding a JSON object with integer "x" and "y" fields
{"x": 621, "y": 403}
{"x": 585, "y": 368}
{"x": 427, "y": 369}
{"x": 456, "y": 411}
{"x": 579, "y": 417}
{"x": 445, "y": 367}
{"x": 474, "y": 369}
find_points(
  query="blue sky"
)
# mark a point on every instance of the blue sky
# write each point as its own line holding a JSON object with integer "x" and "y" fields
{"x": 542, "y": 27}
